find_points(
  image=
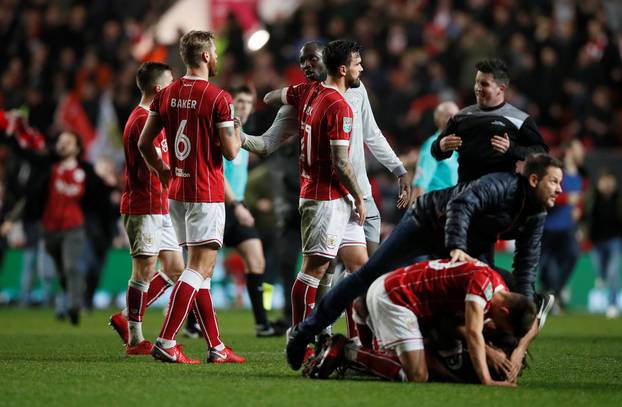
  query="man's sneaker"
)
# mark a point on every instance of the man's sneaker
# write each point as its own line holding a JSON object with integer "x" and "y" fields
{"x": 296, "y": 347}
{"x": 192, "y": 331}
{"x": 545, "y": 303}
{"x": 172, "y": 355}
{"x": 227, "y": 355}
{"x": 119, "y": 324}
{"x": 74, "y": 316}
{"x": 271, "y": 330}
{"x": 331, "y": 357}
{"x": 143, "y": 348}
{"x": 612, "y": 312}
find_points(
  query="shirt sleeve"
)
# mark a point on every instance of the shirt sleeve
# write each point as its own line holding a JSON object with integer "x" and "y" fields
{"x": 292, "y": 95}
{"x": 436, "y": 145}
{"x": 339, "y": 120}
{"x": 480, "y": 289}
{"x": 224, "y": 113}
{"x": 154, "y": 107}
{"x": 375, "y": 140}
{"x": 530, "y": 141}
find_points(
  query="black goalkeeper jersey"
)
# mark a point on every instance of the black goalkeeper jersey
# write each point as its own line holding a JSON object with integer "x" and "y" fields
{"x": 476, "y": 126}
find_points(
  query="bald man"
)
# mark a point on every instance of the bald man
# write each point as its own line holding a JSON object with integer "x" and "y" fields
{"x": 431, "y": 174}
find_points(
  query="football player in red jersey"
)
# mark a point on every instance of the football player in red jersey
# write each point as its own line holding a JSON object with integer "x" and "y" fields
{"x": 399, "y": 302}
{"x": 330, "y": 225}
{"x": 144, "y": 207}
{"x": 198, "y": 119}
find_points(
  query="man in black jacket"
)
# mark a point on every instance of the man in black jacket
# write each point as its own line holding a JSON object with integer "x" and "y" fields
{"x": 491, "y": 135}
{"x": 461, "y": 222}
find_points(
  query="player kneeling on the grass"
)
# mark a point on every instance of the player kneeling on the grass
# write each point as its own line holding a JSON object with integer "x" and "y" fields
{"x": 198, "y": 120}
{"x": 144, "y": 207}
{"x": 401, "y": 300}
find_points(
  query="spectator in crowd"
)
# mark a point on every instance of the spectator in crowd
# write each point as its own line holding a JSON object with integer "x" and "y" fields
{"x": 431, "y": 174}
{"x": 604, "y": 219}
{"x": 560, "y": 248}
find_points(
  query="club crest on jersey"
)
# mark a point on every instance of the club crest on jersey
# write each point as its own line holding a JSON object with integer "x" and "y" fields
{"x": 164, "y": 146}
{"x": 331, "y": 241}
{"x": 147, "y": 239}
{"x": 347, "y": 124}
{"x": 488, "y": 292}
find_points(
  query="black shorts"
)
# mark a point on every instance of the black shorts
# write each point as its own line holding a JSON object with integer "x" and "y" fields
{"x": 235, "y": 233}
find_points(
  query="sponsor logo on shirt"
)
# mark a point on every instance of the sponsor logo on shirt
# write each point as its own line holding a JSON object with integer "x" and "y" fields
{"x": 179, "y": 172}
{"x": 488, "y": 291}
{"x": 498, "y": 123}
{"x": 347, "y": 124}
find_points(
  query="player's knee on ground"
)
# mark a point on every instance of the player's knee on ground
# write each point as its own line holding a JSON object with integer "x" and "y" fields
{"x": 414, "y": 365}
{"x": 143, "y": 268}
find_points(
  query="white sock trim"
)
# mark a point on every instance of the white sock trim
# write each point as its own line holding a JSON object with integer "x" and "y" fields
{"x": 308, "y": 280}
{"x": 207, "y": 284}
{"x": 166, "y": 343}
{"x": 192, "y": 278}
{"x": 166, "y": 278}
{"x": 139, "y": 285}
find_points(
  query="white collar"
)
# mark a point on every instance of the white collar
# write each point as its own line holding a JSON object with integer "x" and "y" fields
{"x": 194, "y": 78}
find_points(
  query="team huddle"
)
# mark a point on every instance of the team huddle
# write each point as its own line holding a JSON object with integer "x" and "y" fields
{"x": 426, "y": 304}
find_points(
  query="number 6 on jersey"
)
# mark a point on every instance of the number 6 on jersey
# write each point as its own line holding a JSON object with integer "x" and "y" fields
{"x": 182, "y": 142}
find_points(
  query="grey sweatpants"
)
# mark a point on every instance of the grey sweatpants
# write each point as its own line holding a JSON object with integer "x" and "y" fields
{"x": 66, "y": 248}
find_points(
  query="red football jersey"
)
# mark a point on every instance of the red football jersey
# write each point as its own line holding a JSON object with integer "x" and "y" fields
{"x": 325, "y": 119}
{"x": 432, "y": 288}
{"x": 63, "y": 208}
{"x": 143, "y": 193}
{"x": 192, "y": 110}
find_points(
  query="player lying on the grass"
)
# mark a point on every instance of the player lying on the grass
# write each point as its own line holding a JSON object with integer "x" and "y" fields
{"x": 461, "y": 222}
{"x": 399, "y": 302}
{"x": 447, "y": 357}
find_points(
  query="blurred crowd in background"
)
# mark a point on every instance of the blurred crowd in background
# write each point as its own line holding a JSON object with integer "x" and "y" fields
{"x": 71, "y": 65}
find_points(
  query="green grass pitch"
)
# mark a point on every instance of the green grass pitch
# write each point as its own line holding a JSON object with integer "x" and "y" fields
{"x": 576, "y": 361}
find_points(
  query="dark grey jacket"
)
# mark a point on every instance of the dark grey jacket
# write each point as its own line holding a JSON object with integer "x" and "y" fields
{"x": 472, "y": 216}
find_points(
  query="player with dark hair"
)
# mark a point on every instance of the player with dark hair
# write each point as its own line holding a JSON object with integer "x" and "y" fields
{"x": 398, "y": 303}
{"x": 462, "y": 223}
{"x": 144, "y": 207}
{"x": 365, "y": 132}
{"x": 198, "y": 119}
{"x": 491, "y": 135}
{"x": 330, "y": 225}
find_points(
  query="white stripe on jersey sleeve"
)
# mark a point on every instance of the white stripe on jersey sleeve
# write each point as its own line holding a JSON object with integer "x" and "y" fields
{"x": 224, "y": 124}
{"x": 498, "y": 288}
{"x": 476, "y": 299}
{"x": 344, "y": 143}
{"x": 284, "y": 95}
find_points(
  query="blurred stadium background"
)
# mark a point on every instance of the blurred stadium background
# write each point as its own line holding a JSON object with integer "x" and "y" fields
{"x": 71, "y": 65}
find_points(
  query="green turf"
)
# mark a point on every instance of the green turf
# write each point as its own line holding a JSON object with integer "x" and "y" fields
{"x": 576, "y": 361}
